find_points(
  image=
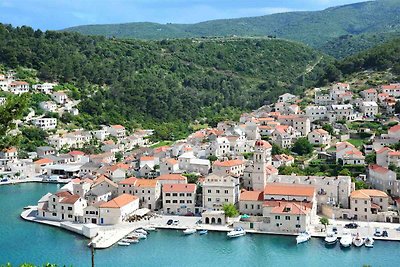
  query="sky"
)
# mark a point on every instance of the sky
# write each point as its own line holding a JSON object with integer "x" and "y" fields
{"x": 60, "y": 14}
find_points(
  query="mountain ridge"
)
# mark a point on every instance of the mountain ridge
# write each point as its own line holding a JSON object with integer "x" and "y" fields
{"x": 314, "y": 28}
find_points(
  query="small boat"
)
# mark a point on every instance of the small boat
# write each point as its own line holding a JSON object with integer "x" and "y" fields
{"x": 122, "y": 243}
{"x": 203, "y": 232}
{"x": 369, "y": 242}
{"x": 149, "y": 228}
{"x": 331, "y": 238}
{"x": 303, "y": 237}
{"x": 346, "y": 240}
{"x": 137, "y": 235}
{"x": 236, "y": 232}
{"x": 141, "y": 231}
{"x": 189, "y": 231}
{"x": 358, "y": 241}
{"x": 130, "y": 240}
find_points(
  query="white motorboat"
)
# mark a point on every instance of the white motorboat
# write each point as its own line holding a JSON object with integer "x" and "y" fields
{"x": 149, "y": 228}
{"x": 369, "y": 242}
{"x": 137, "y": 235}
{"x": 130, "y": 240}
{"x": 346, "y": 240}
{"x": 331, "y": 238}
{"x": 189, "y": 231}
{"x": 358, "y": 241}
{"x": 303, "y": 237}
{"x": 141, "y": 231}
{"x": 122, "y": 243}
{"x": 236, "y": 232}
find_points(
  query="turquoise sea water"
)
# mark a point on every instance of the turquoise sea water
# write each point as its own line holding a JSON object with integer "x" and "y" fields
{"x": 22, "y": 241}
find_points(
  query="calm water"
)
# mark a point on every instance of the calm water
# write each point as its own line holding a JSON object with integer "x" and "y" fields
{"x": 22, "y": 241}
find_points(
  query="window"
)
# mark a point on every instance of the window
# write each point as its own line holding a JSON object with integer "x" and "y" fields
{"x": 54, "y": 214}
{"x": 277, "y": 217}
{"x": 189, "y": 202}
{"x": 298, "y": 226}
{"x": 365, "y": 209}
{"x": 69, "y": 216}
{"x": 181, "y": 194}
{"x": 189, "y": 194}
{"x": 182, "y": 201}
{"x": 167, "y": 201}
{"x": 209, "y": 199}
{"x": 167, "y": 194}
{"x": 175, "y": 201}
{"x": 287, "y": 218}
{"x": 62, "y": 207}
{"x": 226, "y": 200}
{"x": 69, "y": 208}
{"x": 174, "y": 194}
{"x": 217, "y": 191}
{"x": 355, "y": 201}
{"x": 226, "y": 192}
{"x": 208, "y": 191}
{"x": 355, "y": 209}
{"x": 365, "y": 202}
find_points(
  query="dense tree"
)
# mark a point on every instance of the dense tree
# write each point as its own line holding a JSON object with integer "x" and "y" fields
{"x": 12, "y": 109}
{"x": 302, "y": 146}
{"x": 230, "y": 210}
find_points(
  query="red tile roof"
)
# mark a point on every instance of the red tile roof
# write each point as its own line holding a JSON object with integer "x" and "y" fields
{"x": 119, "y": 201}
{"x": 252, "y": 196}
{"x": 229, "y": 163}
{"x": 289, "y": 189}
{"x": 129, "y": 181}
{"x": 171, "y": 177}
{"x": 76, "y": 153}
{"x": 173, "y": 188}
{"x": 367, "y": 193}
{"x": 377, "y": 168}
{"x": 70, "y": 199}
{"x": 262, "y": 143}
{"x": 43, "y": 161}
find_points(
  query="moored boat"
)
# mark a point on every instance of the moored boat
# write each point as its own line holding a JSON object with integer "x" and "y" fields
{"x": 122, "y": 243}
{"x": 369, "y": 242}
{"x": 346, "y": 240}
{"x": 303, "y": 237}
{"x": 130, "y": 240}
{"x": 203, "y": 232}
{"x": 137, "y": 235}
{"x": 149, "y": 228}
{"x": 189, "y": 231}
{"x": 236, "y": 232}
{"x": 331, "y": 238}
{"x": 358, "y": 241}
{"x": 141, "y": 231}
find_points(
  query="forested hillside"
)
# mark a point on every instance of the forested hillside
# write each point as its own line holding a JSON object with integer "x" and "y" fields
{"x": 348, "y": 45}
{"x": 149, "y": 82}
{"x": 312, "y": 28}
{"x": 382, "y": 57}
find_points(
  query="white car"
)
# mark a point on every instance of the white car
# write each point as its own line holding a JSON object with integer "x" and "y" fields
{"x": 175, "y": 222}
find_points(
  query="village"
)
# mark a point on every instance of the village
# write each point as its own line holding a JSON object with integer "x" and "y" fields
{"x": 279, "y": 169}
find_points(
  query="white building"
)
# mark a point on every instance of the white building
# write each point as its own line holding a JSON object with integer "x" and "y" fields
{"x": 369, "y": 109}
{"x": 179, "y": 199}
{"x": 218, "y": 191}
{"x": 46, "y": 123}
{"x": 316, "y": 113}
{"x": 319, "y": 137}
{"x": 118, "y": 209}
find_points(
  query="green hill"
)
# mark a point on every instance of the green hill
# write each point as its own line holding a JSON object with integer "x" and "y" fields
{"x": 348, "y": 45}
{"x": 312, "y": 28}
{"x": 379, "y": 58}
{"x": 150, "y": 82}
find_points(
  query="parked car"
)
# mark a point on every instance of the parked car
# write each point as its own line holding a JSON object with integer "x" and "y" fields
{"x": 385, "y": 233}
{"x": 378, "y": 232}
{"x": 334, "y": 229}
{"x": 175, "y": 222}
{"x": 169, "y": 222}
{"x": 351, "y": 226}
{"x": 398, "y": 229}
{"x": 4, "y": 180}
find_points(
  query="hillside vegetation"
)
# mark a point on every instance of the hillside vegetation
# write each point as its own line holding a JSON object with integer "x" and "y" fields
{"x": 313, "y": 28}
{"x": 153, "y": 82}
